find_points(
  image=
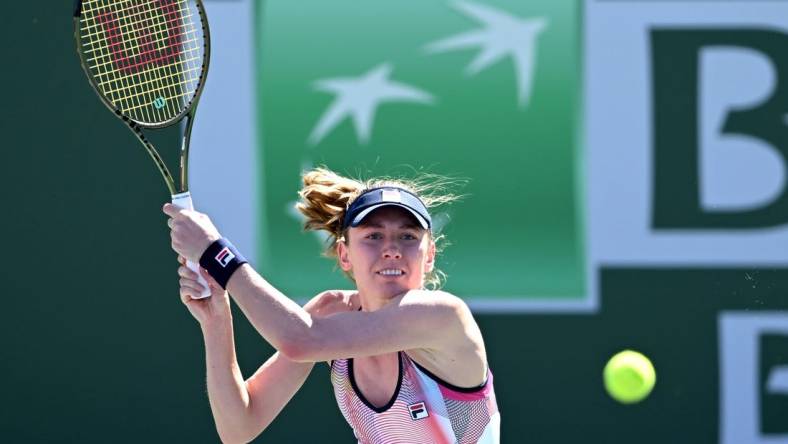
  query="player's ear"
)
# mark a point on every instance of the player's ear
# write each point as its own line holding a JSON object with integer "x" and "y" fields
{"x": 343, "y": 254}
{"x": 429, "y": 264}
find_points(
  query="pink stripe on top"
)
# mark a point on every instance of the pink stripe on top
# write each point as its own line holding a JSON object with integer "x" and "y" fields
{"x": 484, "y": 392}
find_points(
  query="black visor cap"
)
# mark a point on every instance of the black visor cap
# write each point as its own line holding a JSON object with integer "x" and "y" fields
{"x": 375, "y": 198}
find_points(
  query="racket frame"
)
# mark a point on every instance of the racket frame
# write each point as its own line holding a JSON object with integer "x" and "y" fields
{"x": 136, "y": 127}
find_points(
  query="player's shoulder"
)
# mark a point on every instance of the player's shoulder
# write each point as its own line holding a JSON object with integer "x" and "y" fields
{"x": 330, "y": 302}
{"x": 436, "y": 299}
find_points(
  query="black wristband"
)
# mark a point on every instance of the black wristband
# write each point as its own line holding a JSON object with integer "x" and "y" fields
{"x": 221, "y": 259}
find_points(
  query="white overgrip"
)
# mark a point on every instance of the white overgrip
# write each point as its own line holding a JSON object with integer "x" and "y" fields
{"x": 184, "y": 200}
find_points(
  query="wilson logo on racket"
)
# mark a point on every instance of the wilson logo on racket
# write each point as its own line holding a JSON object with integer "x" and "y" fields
{"x": 159, "y": 102}
{"x": 224, "y": 257}
{"x": 130, "y": 27}
{"x": 418, "y": 411}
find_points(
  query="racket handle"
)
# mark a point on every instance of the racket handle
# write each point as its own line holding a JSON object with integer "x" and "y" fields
{"x": 184, "y": 200}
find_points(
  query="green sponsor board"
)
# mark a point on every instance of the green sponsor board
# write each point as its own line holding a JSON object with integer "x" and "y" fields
{"x": 484, "y": 91}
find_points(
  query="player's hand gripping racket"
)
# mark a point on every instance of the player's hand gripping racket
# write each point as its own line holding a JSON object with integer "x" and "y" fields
{"x": 147, "y": 61}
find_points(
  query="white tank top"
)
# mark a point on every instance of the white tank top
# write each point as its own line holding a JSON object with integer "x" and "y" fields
{"x": 423, "y": 409}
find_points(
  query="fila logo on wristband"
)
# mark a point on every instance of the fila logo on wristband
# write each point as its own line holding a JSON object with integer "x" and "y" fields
{"x": 221, "y": 259}
{"x": 224, "y": 257}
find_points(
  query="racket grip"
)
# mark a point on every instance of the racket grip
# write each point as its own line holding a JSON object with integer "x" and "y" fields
{"x": 184, "y": 200}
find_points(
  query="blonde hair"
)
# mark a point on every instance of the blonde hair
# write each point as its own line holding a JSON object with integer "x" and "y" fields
{"x": 326, "y": 196}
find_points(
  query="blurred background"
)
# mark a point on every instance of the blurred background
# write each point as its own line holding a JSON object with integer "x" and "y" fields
{"x": 626, "y": 188}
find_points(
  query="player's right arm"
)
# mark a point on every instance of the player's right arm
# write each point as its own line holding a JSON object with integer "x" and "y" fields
{"x": 243, "y": 409}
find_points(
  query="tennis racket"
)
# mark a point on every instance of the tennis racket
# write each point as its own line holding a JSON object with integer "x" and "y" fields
{"x": 147, "y": 60}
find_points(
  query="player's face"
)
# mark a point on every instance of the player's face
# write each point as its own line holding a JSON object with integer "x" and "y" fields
{"x": 388, "y": 254}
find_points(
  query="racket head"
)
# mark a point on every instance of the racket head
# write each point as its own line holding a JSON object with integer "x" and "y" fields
{"x": 146, "y": 59}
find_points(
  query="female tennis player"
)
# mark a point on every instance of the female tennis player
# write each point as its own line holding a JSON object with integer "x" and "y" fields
{"x": 408, "y": 364}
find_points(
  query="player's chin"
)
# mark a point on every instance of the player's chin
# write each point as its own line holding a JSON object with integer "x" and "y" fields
{"x": 391, "y": 290}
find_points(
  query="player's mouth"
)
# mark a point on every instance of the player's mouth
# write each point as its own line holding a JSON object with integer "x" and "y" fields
{"x": 390, "y": 272}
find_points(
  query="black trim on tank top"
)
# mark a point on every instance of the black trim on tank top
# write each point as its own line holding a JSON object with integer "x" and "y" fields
{"x": 361, "y": 396}
{"x": 450, "y": 386}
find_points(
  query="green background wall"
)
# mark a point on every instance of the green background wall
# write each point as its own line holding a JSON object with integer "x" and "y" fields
{"x": 96, "y": 346}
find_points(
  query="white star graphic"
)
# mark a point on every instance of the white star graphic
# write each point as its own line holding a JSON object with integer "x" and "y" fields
{"x": 502, "y": 35}
{"x": 359, "y": 98}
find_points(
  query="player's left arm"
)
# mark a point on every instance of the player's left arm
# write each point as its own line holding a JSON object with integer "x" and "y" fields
{"x": 418, "y": 319}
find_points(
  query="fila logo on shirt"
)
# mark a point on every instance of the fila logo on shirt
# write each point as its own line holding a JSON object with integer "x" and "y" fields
{"x": 418, "y": 411}
{"x": 224, "y": 257}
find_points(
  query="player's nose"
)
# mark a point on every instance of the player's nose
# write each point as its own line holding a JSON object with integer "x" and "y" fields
{"x": 392, "y": 251}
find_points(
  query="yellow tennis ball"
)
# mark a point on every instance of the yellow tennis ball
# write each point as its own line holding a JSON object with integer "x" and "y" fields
{"x": 629, "y": 377}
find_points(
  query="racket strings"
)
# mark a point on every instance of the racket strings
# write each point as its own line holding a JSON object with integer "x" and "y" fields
{"x": 147, "y": 56}
{"x": 88, "y": 15}
{"x": 153, "y": 79}
{"x": 157, "y": 82}
{"x": 124, "y": 92}
{"x": 127, "y": 17}
{"x": 110, "y": 62}
{"x": 96, "y": 31}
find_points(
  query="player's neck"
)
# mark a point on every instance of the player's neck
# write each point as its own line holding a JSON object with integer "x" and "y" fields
{"x": 372, "y": 301}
